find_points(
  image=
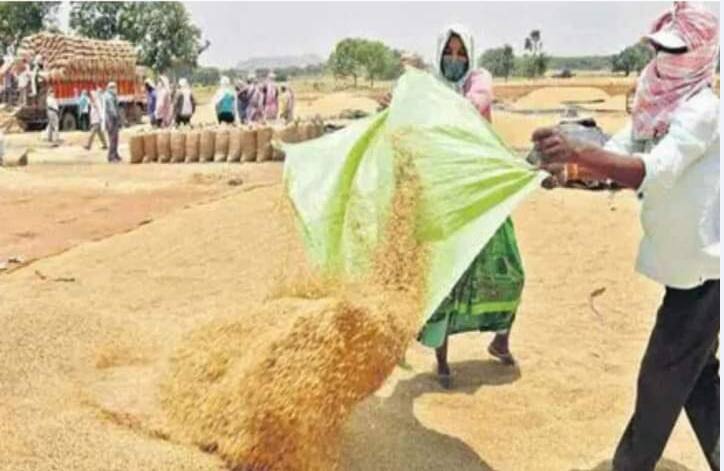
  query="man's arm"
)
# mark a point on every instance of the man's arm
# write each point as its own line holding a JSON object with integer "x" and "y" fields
{"x": 628, "y": 171}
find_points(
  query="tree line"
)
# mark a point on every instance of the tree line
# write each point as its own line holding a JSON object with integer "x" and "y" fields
{"x": 167, "y": 40}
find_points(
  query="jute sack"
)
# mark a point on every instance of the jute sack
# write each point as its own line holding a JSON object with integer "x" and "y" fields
{"x": 149, "y": 147}
{"x": 193, "y": 141}
{"x": 207, "y": 145}
{"x": 222, "y": 144}
{"x": 248, "y": 144}
{"x": 277, "y": 152}
{"x": 264, "y": 151}
{"x": 178, "y": 146}
{"x": 136, "y": 147}
{"x": 235, "y": 144}
{"x": 163, "y": 146}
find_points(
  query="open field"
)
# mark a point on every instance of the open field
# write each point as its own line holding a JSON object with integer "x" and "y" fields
{"x": 121, "y": 261}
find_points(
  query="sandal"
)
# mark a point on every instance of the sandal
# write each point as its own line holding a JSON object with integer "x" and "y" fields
{"x": 505, "y": 358}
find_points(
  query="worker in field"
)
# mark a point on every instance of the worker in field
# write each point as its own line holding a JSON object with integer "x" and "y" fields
{"x": 286, "y": 104}
{"x": 151, "y": 101}
{"x": 164, "y": 103}
{"x": 243, "y": 95}
{"x": 185, "y": 103}
{"x": 112, "y": 120}
{"x": 271, "y": 98}
{"x": 470, "y": 306}
{"x": 255, "y": 96}
{"x": 53, "y": 113}
{"x": 96, "y": 120}
{"x": 225, "y": 102}
{"x": 84, "y": 111}
{"x": 23, "y": 75}
{"x": 669, "y": 154}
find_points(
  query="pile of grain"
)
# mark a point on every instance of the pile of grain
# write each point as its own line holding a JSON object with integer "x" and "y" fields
{"x": 272, "y": 391}
{"x": 81, "y": 58}
{"x": 550, "y": 98}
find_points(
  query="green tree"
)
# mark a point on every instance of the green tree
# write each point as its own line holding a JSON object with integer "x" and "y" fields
{"x": 162, "y": 32}
{"x": 100, "y": 20}
{"x": 536, "y": 61}
{"x": 346, "y": 59}
{"x": 378, "y": 60}
{"x": 20, "y": 19}
{"x": 499, "y": 61}
{"x": 633, "y": 58}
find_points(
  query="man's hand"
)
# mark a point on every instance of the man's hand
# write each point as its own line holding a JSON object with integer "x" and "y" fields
{"x": 385, "y": 100}
{"x": 555, "y": 148}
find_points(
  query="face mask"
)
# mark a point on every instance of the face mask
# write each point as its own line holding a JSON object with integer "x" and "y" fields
{"x": 671, "y": 66}
{"x": 453, "y": 68}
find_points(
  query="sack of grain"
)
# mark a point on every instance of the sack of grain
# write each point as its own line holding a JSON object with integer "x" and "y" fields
{"x": 178, "y": 146}
{"x": 163, "y": 146}
{"x": 264, "y": 151}
{"x": 235, "y": 144}
{"x": 221, "y": 144}
{"x": 207, "y": 145}
{"x": 193, "y": 141}
{"x": 277, "y": 152}
{"x": 290, "y": 133}
{"x": 136, "y": 148}
{"x": 319, "y": 128}
{"x": 305, "y": 131}
{"x": 248, "y": 144}
{"x": 149, "y": 147}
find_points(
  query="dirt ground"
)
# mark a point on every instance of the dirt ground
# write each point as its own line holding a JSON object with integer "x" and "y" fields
{"x": 125, "y": 259}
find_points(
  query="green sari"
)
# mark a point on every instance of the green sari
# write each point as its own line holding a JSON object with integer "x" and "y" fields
{"x": 486, "y": 296}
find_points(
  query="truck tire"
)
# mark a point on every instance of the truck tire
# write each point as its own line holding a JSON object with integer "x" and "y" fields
{"x": 68, "y": 122}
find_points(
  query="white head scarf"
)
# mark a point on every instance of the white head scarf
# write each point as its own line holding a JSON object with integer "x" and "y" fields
{"x": 442, "y": 40}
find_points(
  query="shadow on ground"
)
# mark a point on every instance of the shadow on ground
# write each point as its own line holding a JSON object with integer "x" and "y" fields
{"x": 664, "y": 465}
{"x": 384, "y": 434}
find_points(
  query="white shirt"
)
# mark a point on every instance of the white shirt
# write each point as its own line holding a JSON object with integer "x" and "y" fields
{"x": 680, "y": 195}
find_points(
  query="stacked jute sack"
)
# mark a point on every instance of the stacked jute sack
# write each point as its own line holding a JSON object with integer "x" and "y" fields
{"x": 81, "y": 58}
{"x": 220, "y": 143}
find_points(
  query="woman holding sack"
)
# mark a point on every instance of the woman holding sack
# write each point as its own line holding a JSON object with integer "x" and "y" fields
{"x": 486, "y": 297}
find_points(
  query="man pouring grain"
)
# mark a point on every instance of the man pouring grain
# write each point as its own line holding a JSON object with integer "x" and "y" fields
{"x": 669, "y": 154}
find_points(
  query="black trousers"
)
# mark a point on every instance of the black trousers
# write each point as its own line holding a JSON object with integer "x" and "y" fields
{"x": 680, "y": 370}
{"x": 225, "y": 118}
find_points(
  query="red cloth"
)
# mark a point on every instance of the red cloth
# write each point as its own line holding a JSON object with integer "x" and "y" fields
{"x": 670, "y": 79}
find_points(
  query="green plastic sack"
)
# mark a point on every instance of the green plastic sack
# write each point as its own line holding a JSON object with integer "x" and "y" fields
{"x": 341, "y": 185}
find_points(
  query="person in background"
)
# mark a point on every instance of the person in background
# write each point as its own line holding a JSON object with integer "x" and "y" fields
{"x": 225, "y": 102}
{"x": 185, "y": 104}
{"x": 242, "y": 99}
{"x": 669, "y": 153}
{"x": 286, "y": 104}
{"x": 271, "y": 98}
{"x": 35, "y": 74}
{"x": 84, "y": 111}
{"x": 151, "y": 102}
{"x": 164, "y": 103}
{"x": 53, "y": 112}
{"x": 96, "y": 120}
{"x": 112, "y": 120}
{"x": 23, "y": 82}
{"x": 255, "y": 106}
{"x": 467, "y": 308}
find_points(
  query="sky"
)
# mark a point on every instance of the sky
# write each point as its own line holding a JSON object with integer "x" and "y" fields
{"x": 240, "y": 31}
